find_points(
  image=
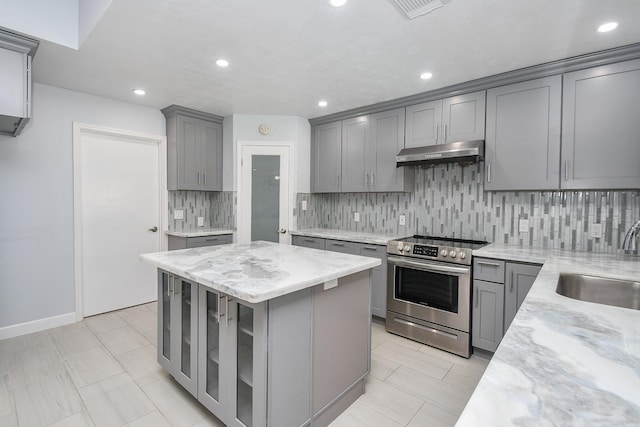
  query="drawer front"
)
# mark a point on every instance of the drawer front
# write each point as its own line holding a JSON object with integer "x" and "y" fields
{"x": 490, "y": 270}
{"x": 373, "y": 251}
{"x": 308, "y": 242}
{"x": 340, "y": 246}
{"x": 197, "y": 242}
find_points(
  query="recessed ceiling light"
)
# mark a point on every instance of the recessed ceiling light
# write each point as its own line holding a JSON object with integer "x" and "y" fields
{"x": 426, "y": 76}
{"x": 222, "y": 63}
{"x": 337, "y": 3}
{"x": 323, "y": 103}
{"x": 139, "y": 92}
{"x": 609, "y": 26}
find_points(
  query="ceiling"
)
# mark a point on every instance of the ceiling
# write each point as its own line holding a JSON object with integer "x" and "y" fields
{"x": 286, "y": 55}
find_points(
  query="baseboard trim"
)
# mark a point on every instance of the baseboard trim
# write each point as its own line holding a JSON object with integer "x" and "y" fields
{"x": 37, "y": 325}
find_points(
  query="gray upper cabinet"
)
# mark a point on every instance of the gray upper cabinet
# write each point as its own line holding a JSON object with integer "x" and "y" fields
{"x": 326, "y": 159}
{"x": 459, "y": 118}
{"x": 600, "y": 129}
{"x": 194, "y": 149}
{"x": 522, "y": 150}
{"x": 387, "y": 139}
{"x": 518, "y": 281}
{"x": 356, "y": 147}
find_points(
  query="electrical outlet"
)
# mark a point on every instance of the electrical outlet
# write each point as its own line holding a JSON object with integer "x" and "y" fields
{"x": 523, "y": 226}
{"x": 356, "y": 217}
{"x": 304, "y": 205}
{"x": 178, "y": 214}
{"x": 596, "y": 231}
{"x": 200, "y": 221}
{"x": 402, "y": 220}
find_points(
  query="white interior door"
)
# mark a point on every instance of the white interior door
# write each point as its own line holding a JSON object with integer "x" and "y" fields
{"x": 264, "y": 198}
{"x": 118, "y": 217}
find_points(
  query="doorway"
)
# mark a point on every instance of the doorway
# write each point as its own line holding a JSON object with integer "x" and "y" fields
{"x": 119, "y": 213}
{"x": 264, "y": 193}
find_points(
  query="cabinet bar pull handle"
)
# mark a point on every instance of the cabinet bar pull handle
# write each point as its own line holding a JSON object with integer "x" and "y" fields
{"x": 366, "y": 179}
{"x": 488, "y": 172}
{"x": 168, "y": 285}
{"x": 373, "y": 179}
{"x": 488, "y": 263}
{"x": 566, "y": 170}
{"x": 445, "y": 134}
{"x": 220, "y": 313}
{"x": 204, "y": 176}
{"x": 437, "y": 133}
{"x": 511, "y": 283}
{"x": 476, "y": 297}
{"x": 198, "y": 175}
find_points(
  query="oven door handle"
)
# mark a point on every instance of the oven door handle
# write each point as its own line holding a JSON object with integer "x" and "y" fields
{"x": 428, "y": 266}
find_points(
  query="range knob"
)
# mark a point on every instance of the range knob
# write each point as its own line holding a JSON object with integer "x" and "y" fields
{"x": 400, "y": 247}
{"x": 407, "y": 248}
{"x": 444, "y": 252}
{"x": 462, "y": 255}
{"x": 452, "y": 254}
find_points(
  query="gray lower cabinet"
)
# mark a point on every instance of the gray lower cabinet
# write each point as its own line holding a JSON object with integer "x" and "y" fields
{"x": 296, "y": 360}
{"x": 522, "y": 150}
{"x": 600, "y": 127}
{"x": 458, "y": 118}
{"x": 179, "y": 242}
{"x": 378, "y": 274}
{"x": 178, "y": 328}
{"x": 194, "y": 149}
{"x": 326, "y": 158}
{"x": 499, "y": 288}
{"x": 519, "y": 279}
{"x": 487, "y": 315}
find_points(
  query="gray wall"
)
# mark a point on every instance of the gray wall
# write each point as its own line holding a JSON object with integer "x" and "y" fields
{"x": 449, "y": 200}
{"x": 36, "y": 188}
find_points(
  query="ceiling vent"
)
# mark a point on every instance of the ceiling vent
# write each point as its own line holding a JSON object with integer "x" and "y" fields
{"x": 412, "y": 9}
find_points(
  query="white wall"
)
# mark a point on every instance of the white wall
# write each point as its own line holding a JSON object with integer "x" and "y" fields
{"x": 36, "y": 193}
{"x": 244, "y": 127}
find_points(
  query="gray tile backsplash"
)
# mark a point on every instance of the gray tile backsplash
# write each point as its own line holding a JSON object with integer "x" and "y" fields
{"x": 449, "y": 200}
{"x": 217, "y": 208}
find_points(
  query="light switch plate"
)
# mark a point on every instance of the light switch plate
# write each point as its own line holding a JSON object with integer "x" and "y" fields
{"x": 178, "y": 214}
{"x": 200, "y": 221}
{"x": 596, "y": 231}
{"x": 402, "y": 220}
{"x": 356, "y": 217}
{"x": 304, "y": 205}
{"x": 523, "y": 226}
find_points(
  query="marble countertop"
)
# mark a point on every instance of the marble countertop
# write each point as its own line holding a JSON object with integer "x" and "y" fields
{"x": 259, "y": 271}
{"x": 563, "y": 362}
{"x": 350, "y": 236}
{"x": 198, "y": 232}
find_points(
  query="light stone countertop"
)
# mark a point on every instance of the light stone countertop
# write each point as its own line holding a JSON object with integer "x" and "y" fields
{"x": 349, "y": 236}
{"x": 563, "y": 362}
{"x": 198, "y": 232}
{"x": 259, "y": 271}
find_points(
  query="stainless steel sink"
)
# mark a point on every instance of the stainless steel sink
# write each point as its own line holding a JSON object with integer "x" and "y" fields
{"x": 601, "y": 290}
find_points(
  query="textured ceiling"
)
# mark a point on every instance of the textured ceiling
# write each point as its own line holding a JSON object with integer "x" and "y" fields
{"x": 286, "y": 55}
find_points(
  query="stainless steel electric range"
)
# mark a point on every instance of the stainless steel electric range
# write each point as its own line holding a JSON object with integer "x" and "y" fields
{"x": 429, "y": 291}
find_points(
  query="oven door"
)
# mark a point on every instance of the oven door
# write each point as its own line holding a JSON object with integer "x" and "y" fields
{"x": 431, "y": 291}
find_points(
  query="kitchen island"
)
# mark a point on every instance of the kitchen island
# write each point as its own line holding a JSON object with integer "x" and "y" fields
{"x": 264, "y": 334}
{"x": 562, "y": 362}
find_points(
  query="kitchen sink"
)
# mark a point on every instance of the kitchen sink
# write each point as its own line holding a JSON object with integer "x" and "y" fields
{"x": 601, "y": 290}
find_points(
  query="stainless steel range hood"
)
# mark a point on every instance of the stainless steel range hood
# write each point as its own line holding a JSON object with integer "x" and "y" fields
{"x": 452, "y": 152}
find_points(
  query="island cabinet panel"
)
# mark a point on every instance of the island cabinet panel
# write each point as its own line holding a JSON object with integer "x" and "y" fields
{"x": 522, "y": 149}
{"x": 519, "y": 279}
{"x": 600, "y": 127}
{"x": 178, "y": 328}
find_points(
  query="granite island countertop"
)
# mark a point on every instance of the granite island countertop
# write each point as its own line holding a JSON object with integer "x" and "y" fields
{"x": 563, "y": 362}
{"x": 259, "y": 271}
{"x": 349, "y": 236}
{"x": 198, "y": 232}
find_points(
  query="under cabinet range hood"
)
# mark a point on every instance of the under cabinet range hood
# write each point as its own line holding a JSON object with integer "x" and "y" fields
{"x": 452, "y": 152}
{"x": 16, "y": 52}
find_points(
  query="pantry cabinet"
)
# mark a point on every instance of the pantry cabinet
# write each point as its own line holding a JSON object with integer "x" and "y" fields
{"x": 458, "y": 118}
{"x": 522, "y": 150}
{"x": 194, "y": 149}
{"x": 178, "y": 328}
{"x": 600, "y": 127}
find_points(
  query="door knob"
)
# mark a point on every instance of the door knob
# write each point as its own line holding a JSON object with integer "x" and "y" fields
{"x": 282, "y": 230}
{"x": 154, "y": 229}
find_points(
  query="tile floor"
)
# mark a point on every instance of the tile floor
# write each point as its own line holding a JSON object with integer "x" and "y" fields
{"x": 103, "y": 372}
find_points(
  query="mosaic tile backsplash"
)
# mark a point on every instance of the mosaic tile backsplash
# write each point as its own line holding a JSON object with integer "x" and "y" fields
{"x": 217, "y": 208}
{"x": 449, "y": 200}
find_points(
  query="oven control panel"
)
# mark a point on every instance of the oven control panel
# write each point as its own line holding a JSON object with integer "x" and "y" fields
{"x": 431, "y": 251}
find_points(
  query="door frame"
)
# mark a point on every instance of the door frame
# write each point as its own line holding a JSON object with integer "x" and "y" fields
{"x": 79, "y": 130}
{"x": 292, "y": 202}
